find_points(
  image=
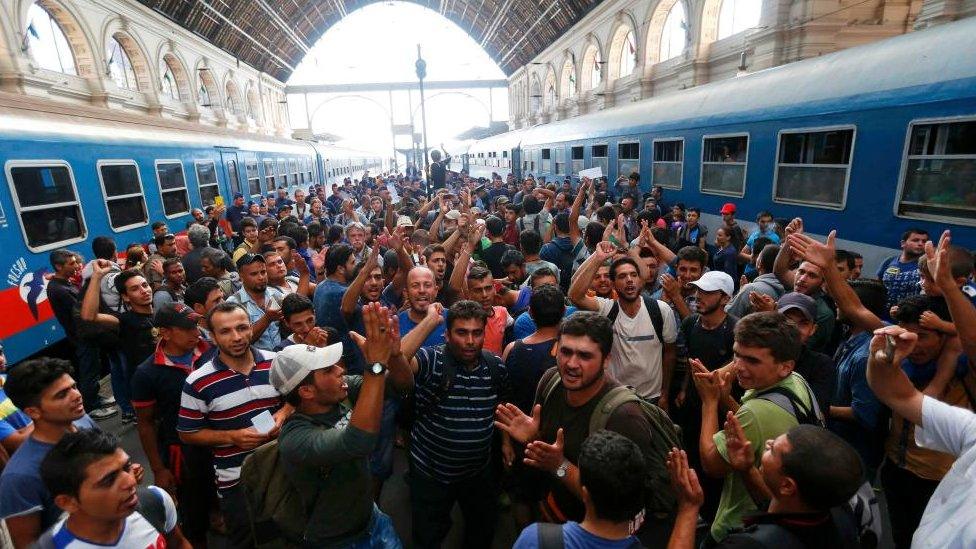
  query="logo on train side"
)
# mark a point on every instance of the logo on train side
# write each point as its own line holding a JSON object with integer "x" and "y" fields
{"x": 32, "y": 285}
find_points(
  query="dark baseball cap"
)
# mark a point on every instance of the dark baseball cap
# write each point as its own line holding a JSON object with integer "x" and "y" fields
{"x": 176, "y": 315}
{"x": 800, "y": 302}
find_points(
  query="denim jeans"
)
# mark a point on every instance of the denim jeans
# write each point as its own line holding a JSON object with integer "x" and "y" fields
{"x": 88, "y": 369}
{"x": 121, "y": 380}
{"x": 382, "y": 535}
{"x": 381, "y": 458}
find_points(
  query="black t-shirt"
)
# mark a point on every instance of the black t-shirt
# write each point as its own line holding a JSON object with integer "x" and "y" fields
{"x": 628, "y": 420}
{"x": 161, "y": 386}
{"x": 63, "y": 296}
{"x": 712, "y": 347}
{"x": 138, "y": 337}
{"x": 819, "y": 371}
{"x": 526, "y": 363}
{"x": 438, "y": 173}
{"x": 492, "y": 256}
{"x": 808, "y": 530}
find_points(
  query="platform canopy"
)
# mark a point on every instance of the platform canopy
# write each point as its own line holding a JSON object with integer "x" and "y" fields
{"x": 275, "y": 35}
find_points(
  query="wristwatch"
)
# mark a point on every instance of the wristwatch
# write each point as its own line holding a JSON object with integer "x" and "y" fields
{"x": 376, "y": 368}
{"x": 563, "y": 469}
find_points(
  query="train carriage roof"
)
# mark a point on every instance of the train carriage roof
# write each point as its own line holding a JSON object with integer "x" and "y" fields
{"x": 500, "y": 142}
{"x": 927, "y": 65}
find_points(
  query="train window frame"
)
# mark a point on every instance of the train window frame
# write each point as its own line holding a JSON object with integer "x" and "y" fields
{"x": 257, "y": 175}
{"x": 847, "y": 174}
{"x": 633, "y": 141}
{"x": 293, "y": 164}
{"x": 285, "y": 180}
{"x": 142, "y": 192}
{"x": 681, "y": 163}
{"x": 272, "y": 176}
{"x": 159, "y": 186}
{"x": 18, "y": 209}
{"x": 216, "y": 183}
{"x": 233, "y": 182}
{"x": 605, "y": 166}
{"x": 903, "y": 170}
{"x": 745, "y": 171}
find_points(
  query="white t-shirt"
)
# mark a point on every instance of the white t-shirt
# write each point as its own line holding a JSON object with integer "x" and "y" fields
{"x": 136, "y": 534}
{"x": 949, "y": 521}
{"x": 636, "y": 357}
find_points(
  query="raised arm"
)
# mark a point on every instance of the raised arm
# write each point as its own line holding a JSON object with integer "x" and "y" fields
{"x": 89, "y": 305}
{"x": 460, "y": 271}
{"x": 962, "y": 311}
{"x": 584, "y": 277}
{"x": 886, "y": 378}
{"x": 305, "y": 286}
{"x": 351, "y": 296}
{"x": 435, "y": 227}
{"x": 415, "y": 339}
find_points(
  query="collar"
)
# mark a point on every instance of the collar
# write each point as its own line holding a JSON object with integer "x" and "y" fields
{"x": 802, "y": 520}
{"x": 162, "y": 359}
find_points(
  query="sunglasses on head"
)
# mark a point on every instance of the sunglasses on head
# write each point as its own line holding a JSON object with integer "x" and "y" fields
{"x": 249, "y": 258}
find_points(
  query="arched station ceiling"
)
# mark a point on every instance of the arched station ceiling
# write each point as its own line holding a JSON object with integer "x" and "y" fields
{"x": 275, "y": 35}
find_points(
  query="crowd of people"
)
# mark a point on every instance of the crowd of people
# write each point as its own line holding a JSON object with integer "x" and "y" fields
{"x": 582, "y": 356}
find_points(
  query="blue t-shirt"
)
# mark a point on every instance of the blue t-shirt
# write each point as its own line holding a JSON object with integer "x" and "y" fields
{"x": 11, "y": 419}
{"x": 327, "y": 302}
{"x": 525, "y": 326}
{"x": 436, "y": 337}
{"x": 574, "y": 537}
{"x": 22, "y": 491}
{"x": 771, "y": 234}
{"x": 900, "y": 279}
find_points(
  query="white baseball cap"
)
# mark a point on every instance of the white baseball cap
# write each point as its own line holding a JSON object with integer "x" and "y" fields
{"x": 293, "y": 364}
{"x": 713, "y": 281}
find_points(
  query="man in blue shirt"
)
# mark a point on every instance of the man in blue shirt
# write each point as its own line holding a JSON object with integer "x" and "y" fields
{"x": 340, "y": 262}
{"x": 261, "y": 301}
{"x": 900, "y": 273}
{"x": 15, "y": 426}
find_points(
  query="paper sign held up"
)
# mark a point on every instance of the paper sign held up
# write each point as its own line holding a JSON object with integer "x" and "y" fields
{"x": 592, "y": 173}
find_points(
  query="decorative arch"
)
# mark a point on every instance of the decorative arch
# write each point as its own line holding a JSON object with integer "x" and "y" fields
{"x": 234, "y": 102}
{"x": 78, "y": 38}
{"x": 657, "y": 27}
{"x": 723, "y": 18}
{"x": 622, "y": 40}
{"x": 549, "y": 94}
{"x": 593, "y": 67}
{"x": 141, "y": 67}
{"x": 253, "y": 103}
{"x": 207, "y": 93}
{"x": 535, "y": 95}
{"x": 170, "y": 66}
{"x": 568, "y": 82}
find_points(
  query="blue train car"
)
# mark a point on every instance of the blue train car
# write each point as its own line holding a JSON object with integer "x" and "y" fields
{"x": 496, "y": 154}
{"x": 72, "y": 178}
{"x": 869, "y": 141}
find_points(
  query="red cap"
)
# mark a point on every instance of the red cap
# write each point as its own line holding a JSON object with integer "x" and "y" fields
{"x": 727, "y": 208}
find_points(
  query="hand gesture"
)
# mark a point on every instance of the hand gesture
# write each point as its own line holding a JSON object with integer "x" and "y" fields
{"x": 138, "y": 471}
{"x": 806, "y": 248}
{"x": 739, "y": 449}
{"x": 436, "y": 310}
{"x": 477, "y": 233}
{"x": 544, "y": 456}
{"x": 318, "y": 260}
{"x": 930, "y": 320}
{"x": 316, "y": 337}
{"x": 938, "y": 263}
{"x": 102, "y": 267}
{"x": 743, "y": 280}
{"x": 684, "y": 481}
{"x": 247, "y": 439}
{"x": 522, "y": 428}
{"x": 671, "y": 287}
{"x": 604, "y": 250}
{"x": 508, "y": 453}
{"x": 165, "y": 479}
{"x": 376, "y": 346}
{"x": 647, "y": 239}
{"x": 274, "y": 314}
{"x": 156, "y": 265}
{"x": 710, "y": 385}
{"x": 904, "y": 345}
{"x": 301, "y": 267}
{"x": 794, "y": 227}
{"x": 761, "y": 302}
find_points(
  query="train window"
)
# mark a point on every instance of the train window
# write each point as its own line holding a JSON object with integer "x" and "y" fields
{"x": 599, "y": 154}
{"x": 283, "y": 166}
{"x": 628, "y": 158}
{"x": 813, "y": 167}
{"x": 669, "y": 155}
{"x": 207, "y": 181}
{"x": 122, "y": 188}
{"x": 253, "y": 179}
{"x": 939, "y": 174}
{"x": 546, "y": 161}
{"x": 294, "y": 172}
{"x": 560, "y": 160}
{"x": 310, "y": 167}
{"x": 172, "y": 187}
{"x": 724, "y": 160}
{"x": 269, "y": 175}
{"x": 46, "y": 198}
{"x": 235, "y": 183}
{"x": 576, "y": 154}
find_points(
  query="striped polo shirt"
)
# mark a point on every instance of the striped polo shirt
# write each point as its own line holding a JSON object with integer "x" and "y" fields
{"x": 452, "y": 437}
{"x": 216, "y": 397}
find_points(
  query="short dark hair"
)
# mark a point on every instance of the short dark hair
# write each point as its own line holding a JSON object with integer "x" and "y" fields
{"x": 542, "y": 272}
{"x": 617, "y": 263}
{"x": 466, "y": 309}
{"x": 530, "y": 242}
{"x": 494, "y": 226}
{"x": 693, "y": 254}
{"x": 248, "y": 222}
{"x": 531, "y": 205}
{"x": 764, "y": 213}
{"x": 60, "y": 257}
{"x": 613, "y": 471}
{"x": 223, "y": 307}
{"x": 433, "y": 249}
{"x": 767, "y": 258}
{"x": 512, "y": 257}
{"x": 103, "y": 247}
{"x": 336, "y": 257}
{"x": 124, "y": 277}
{"x": 827, "y": 470}
{"x": 593, "y": 233}
{"x": 873, "y": 295}
{"x": 561, "y": 222}
{"x": 268, "y": 223}
{"x": 161, "y": 239}
{"x": 27, "y": 380}
{"x": 478, "y": 272}
{"x": 769, "y": 330}
{"x": 547, "y": 305}
{"x": 197, "y": 292}
{"x": 592, "y": 325}
{"x": 293, "y": 304}
{"x": 314, "y": 229}
{"x": 911, "y": 308}
{"x": 63, "y": 468}
{"x": 157, "y": 224}
{"x": 289, "y": 241}
{"x": 845, "y": 257}
{"x": 218, "y": 258}
{"x": 695, "y": 209}
{"x": 913, "y": 230}
{"x": 169, "y": 262}
{"x": 760, "y": 243}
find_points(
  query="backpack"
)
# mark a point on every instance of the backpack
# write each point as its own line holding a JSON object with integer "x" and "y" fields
{"x": 94, "y": 332}
{"x": 863, "y": 509}
{"x": 447, "y": 378}
{"x": 664, "y": 436}
{"x": 550, "y": 536}
{"x": 279, "y": 510}
{"x": 150, "y": 506}
{"x": 657, "y": 320}
{"x": 535, "y": 223}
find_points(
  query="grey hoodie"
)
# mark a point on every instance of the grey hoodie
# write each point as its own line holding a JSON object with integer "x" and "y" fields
{"x": 764, "y": 284}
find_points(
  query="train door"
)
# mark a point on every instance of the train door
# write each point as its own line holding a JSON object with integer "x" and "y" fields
{"x": 232, "y": 169}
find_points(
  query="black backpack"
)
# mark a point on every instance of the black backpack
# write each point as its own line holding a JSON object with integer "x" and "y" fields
{"x": 150, "y": 506}
{"x": 93, "y": 332}
{"x": 657, "y": 320}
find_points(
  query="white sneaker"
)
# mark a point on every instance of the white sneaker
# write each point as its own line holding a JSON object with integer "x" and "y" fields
{"x": 103, "y": 413}
{"x": 107, "y": 401}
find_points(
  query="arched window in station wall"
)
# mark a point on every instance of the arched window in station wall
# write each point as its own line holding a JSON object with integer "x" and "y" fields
{"x": 674, "y": 36}
{"x": 169, "y": 86}
{"x": 120, "y": 66}
{"x": 736, "y": 16}
{"x": 48, "y": 45}
{"x": 628, "y": 56}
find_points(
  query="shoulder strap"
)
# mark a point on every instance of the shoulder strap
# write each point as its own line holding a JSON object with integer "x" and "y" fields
{"x": 547, "y": 384}
{"x": 793, "y": 405}
{"x": 152, "y": 508}
{"x": 550, "y": 535}
{"x": 657, "y": 319}
{"x": 611, "y": 401}
{"x": 613, "y": 312}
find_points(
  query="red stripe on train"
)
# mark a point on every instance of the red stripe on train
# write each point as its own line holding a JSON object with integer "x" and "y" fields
{"x": 16, "y": 316}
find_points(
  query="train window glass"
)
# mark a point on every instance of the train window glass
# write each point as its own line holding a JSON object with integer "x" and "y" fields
{"x": 269, "y": 175}
{"x": 46, "y": 199}
{"x": 207, "y": 181}
{"x": 47, "y": 43}
{"x": 253, "y": 178}
{"x": 599, "y": 158}
{"x": 576, "y": 154}
{"x": 668, "y": 162}
{"x": 283, "y": 166}
{"x": 724, "y": 164}
{"x": 235, "y": 183}
{"x": 123, "y": 194}
{"x": 310, "y": 168}
{"x": 546, "y": 161}
{"x": 628, "y": 158}
{"x": 172, "y": 187}
{"x": 560, "y": 161}
{"x": 939, "y": 178}
{"x": 813, "y": 167}
{"x": 294, "y": 172}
